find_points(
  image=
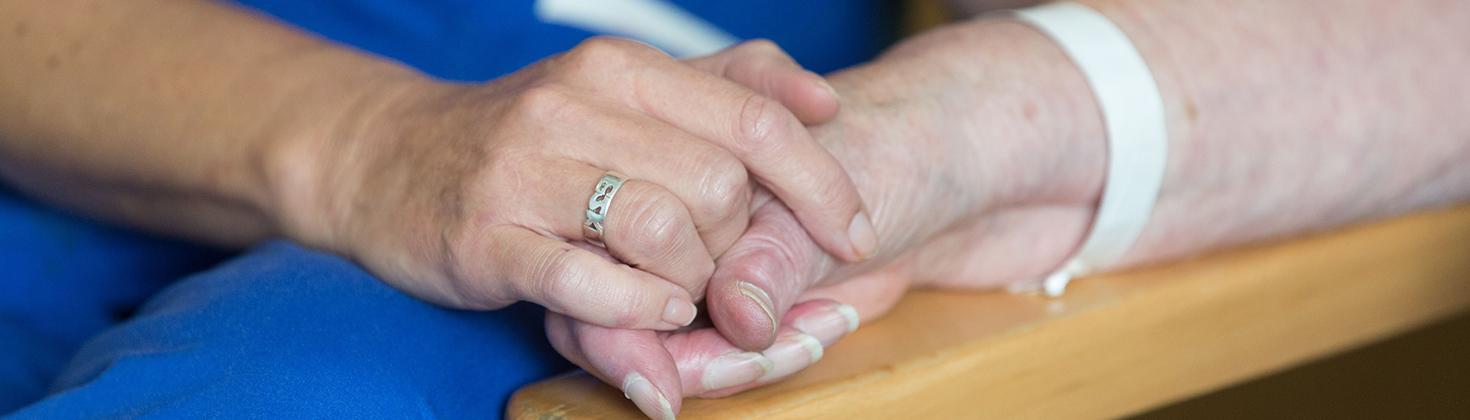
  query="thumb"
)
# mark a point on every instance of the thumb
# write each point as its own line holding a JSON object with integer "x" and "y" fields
{"x": 763, "y": 274}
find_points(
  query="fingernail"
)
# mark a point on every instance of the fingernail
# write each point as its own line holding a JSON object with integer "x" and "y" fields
{"x": 679, "y": 311}
{"x": 734, "y": 369}
{"x": 830, "y": 324}
{"x": 647, "y": 397}
{"x": 828, "y": 86}
{"x": 864, "y": 238}
{"x": 762, "y": 299}
{"x": 791, "y": 353}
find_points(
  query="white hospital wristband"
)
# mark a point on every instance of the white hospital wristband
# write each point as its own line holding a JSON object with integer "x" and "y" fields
{"x": 1133, "y": 114}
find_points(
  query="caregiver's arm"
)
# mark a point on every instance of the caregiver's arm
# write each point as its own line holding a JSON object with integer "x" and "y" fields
{"x": 198, "y": 119}
{"x": 166, "y": 114}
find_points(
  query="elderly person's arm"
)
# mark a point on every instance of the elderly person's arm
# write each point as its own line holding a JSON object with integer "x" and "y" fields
{"x": 197, "y": 119}
{"x": 981, "y": 152}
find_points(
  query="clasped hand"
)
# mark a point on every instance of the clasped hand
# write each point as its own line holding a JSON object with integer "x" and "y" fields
{"x": 474, "y": 197}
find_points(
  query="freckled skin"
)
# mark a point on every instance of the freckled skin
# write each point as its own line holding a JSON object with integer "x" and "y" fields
{"x": 1285, "y": 118}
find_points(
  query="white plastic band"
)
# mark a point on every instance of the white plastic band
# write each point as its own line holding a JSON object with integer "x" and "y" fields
{"x": 1133, "y": 114}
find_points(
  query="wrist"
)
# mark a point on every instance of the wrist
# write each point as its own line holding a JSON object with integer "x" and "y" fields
{"x": 312, "y": 167}
{"x": 1015, "y": 108}
{"x": 970, "y": 118}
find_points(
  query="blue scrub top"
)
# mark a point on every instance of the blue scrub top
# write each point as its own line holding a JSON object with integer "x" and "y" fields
{"x": 64, "y": 279}
{"x": 54, "y": 262}
{"x": 477, "y": 40}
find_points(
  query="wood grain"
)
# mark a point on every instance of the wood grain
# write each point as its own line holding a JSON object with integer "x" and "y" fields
{"x": 1114, "y": 345}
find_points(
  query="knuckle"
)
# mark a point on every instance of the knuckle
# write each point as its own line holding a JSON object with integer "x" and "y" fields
{"x": 556, "y": 278}
{"x": 779, "y": 245}
{"x": 760, "y": 122}
{"x": 658, "y": 221}
{"x": 601, "y": 52}
{"x": 762, "y": 46}
{"x": 724, "y": 188}
{"x": 599, "y": 44}
{"x": 773, "y": 260}
{"x": 541, "y": 103}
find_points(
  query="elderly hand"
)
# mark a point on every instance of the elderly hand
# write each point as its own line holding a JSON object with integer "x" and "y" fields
{"x": 968, "y": 187}
{"x": 475, "y": 196}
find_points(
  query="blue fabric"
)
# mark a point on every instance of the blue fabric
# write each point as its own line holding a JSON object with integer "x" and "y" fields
{"x": 476, "y": 40}
{"x": 63, "y": 280}
{"x": 286, "y": 330}
{"x": 282, "y": 331}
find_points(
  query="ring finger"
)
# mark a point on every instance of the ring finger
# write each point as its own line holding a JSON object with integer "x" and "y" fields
{"x": 710, "y": 182}
{"x": 645, "y": 226}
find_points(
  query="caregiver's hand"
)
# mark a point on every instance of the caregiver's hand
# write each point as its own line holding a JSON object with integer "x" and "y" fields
{"x": 475, "y": 196}
{"x": 708, "y": 364}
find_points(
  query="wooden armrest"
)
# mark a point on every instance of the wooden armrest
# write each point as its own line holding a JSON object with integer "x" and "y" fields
{"x": 1114, "y": 345}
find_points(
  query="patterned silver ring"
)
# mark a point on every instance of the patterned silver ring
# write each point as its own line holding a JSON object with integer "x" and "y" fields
{"x": 597, "y": 206}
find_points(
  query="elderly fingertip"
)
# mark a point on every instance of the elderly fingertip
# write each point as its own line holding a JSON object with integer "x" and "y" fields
{"x": 762, "y": 299}
{"x": 828, "y": 324}
{"x": 647, "y": 397}
{"x": 679, "y": 311}
{"x": 863, "y": 236}
{"x": 791, "y": 353}
{"x": 745, "y": 314}
{"x": 850, "y": 315}
{"x": 734, "y": 370}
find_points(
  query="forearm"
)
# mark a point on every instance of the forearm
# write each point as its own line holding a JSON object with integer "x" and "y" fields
{"x": 1292, "y": 117}
{"x": 175, "y": 116}
{"x": 1284, "y": 117}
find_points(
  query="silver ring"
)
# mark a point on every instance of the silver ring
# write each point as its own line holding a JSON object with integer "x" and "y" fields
{"x": 598, "y": 204}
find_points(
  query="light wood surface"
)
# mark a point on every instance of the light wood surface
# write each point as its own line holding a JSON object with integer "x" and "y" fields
{"x": 1114, "y": 345}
